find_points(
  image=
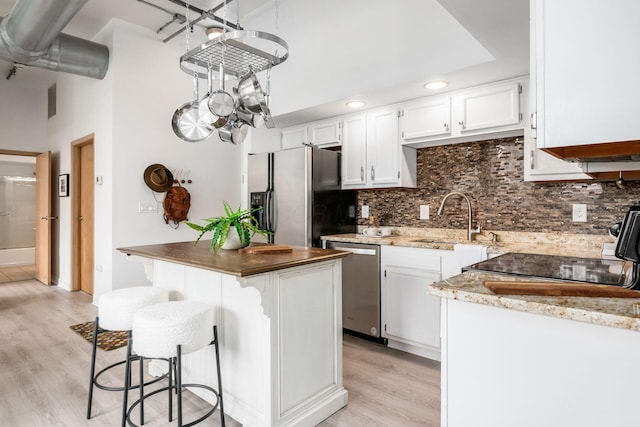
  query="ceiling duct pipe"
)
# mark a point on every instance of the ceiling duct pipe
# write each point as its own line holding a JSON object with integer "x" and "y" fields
{"x": 31, "y": 35}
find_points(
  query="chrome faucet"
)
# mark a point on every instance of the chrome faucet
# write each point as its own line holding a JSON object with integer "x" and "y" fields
{"x": 470, "y": 230}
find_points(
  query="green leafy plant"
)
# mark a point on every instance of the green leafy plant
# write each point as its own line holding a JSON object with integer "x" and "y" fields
{"x": 242, "y": 220}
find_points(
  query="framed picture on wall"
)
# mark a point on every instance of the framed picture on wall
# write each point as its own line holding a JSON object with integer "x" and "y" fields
{"x": 63, "y": 185}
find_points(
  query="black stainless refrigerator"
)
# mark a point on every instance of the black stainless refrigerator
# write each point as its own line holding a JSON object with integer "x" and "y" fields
{"x": 298, "y": 196}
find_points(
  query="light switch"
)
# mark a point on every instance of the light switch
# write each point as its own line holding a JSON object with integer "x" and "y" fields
{"x": 365, "y": 211}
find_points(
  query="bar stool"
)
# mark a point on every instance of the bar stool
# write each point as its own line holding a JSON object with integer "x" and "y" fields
{"x": 115, "y": 313}
{"x": 168, "y": 331}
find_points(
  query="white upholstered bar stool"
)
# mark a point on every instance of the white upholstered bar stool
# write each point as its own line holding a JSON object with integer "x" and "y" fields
{"x": 115, "y": 313}
{"x": 168, "y": 331}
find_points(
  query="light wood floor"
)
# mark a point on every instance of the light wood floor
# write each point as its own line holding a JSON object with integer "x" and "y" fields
{"x": 44, "y": 371}
{"x": 14, "y": 274}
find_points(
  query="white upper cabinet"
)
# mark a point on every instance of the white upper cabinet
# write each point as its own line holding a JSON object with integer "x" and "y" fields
{"x": 294, "y": 136}
{"x": 326, "y": 133}
{"x": 372, "y": 156}
{"x": 488, "y": 107}
{"x": 430, "y": 117}
{"x": 383, "y": 147}
{"x": 587, "y": 68}
{"x": 484, "y": 112}
{"x": 323, "y": 133}
{"x": 538, "y": 165}
{"x": 354, "y": 151}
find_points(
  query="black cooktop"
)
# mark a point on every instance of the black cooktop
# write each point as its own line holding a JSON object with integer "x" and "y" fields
{"x": 590, "y": 270}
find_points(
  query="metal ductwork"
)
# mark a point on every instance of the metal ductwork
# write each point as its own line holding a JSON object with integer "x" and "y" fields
{"x": 31, "y": 35}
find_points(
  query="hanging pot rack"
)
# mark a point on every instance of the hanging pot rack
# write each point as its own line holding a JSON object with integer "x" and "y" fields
{"x": 234, "y": 50}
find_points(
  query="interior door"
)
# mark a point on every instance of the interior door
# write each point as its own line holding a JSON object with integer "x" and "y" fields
{"x": 85, "y": 219}
{"x": 43, "y": 218}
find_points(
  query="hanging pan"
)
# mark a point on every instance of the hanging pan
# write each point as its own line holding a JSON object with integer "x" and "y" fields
{"x": 203, "y": 108}
{"x": 253, "y": 99}
{"x": 221, "y": 103}
{"x": 234, "y": 131}
{"x": 186, "y": 122}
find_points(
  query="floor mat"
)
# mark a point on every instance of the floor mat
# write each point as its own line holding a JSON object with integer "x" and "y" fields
{"x": 107, "y": 340}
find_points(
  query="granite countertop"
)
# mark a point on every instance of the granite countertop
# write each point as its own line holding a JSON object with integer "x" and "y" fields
{"x": 580, "y": 245}
{"x": 621, "y": 313}
{"x": 231, "y": 262}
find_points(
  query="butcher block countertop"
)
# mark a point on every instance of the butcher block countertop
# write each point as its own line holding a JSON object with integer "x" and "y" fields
{"x": 231, "y": 261}
{"x": 621, "y": 313}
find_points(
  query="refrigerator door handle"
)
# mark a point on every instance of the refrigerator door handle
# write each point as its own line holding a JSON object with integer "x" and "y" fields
{"x": 273, "y": 205}
{"x": 267, "y": 210}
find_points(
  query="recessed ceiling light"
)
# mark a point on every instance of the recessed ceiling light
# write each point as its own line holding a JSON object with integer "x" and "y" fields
{"x": 437, "y": 84}
{"x": 356, "y": 104}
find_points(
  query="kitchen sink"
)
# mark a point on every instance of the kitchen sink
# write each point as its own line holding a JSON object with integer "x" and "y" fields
{"x": 450, "y": 242}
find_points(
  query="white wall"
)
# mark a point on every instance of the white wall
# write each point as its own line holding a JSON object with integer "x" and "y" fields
{"x": 130, "y": 113}
{"x": 23, "y": 114}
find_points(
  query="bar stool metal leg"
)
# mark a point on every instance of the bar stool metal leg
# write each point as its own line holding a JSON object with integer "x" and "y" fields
{"x": 215, "y": 341}
{"x": 127, "y": 382}
{"x": 93, "y": 367}
{"x": 179, "y": 383}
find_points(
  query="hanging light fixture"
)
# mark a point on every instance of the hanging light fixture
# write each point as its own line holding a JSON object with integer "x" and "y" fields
{"x": 213, "y": 32}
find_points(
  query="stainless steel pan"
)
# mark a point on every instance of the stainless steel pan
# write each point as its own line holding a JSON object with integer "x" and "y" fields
{"x": 221, "y": 103}
{"x": 186, "y": 122}
{"x": 253, "y": 99}
{"x": 234, "y": 131}
{"x": 203, "y": 108}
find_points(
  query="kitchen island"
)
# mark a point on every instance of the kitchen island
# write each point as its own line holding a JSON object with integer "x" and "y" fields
{"x": 510, "y": 360}
{"x": 279, "y": 318}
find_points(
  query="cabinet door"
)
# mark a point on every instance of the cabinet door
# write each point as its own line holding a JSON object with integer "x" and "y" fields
{"x": 426, "y": 118}
{"x": 327, "y": 133}
{"x": 488, "y": 107}
{"x": 412, "y": 315}
{"x": 540, "y": 166}
{"x": 294, "y": 137}
{"x": 354, "y": 151}
{"x": 587, "y": 70}
{"x": 383, "y": 147}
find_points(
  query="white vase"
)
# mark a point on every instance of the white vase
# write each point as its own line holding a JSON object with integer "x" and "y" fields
{"x": 233, "y": 240}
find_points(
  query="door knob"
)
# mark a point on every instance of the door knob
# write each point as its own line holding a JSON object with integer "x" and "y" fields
{"x": 47, "y": 218}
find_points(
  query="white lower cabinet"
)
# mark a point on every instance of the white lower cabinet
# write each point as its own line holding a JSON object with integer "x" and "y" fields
{"x": 410, "y": 315}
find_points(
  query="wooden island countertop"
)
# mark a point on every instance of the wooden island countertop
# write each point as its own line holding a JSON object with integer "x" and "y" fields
{"x": 231, "y": 261}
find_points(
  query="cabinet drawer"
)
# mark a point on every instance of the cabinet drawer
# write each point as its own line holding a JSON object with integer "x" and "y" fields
{"x": 423, "y": 259}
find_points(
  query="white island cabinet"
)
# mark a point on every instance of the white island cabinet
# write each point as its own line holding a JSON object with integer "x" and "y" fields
{"x": 280, "y": 330}
{"x": 532, "y": 361}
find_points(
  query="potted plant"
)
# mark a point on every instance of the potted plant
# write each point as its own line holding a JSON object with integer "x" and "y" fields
{"x": 230, "y": 231}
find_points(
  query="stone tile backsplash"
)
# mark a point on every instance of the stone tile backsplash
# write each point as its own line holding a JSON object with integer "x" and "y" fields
{"x": 491, "y": 174}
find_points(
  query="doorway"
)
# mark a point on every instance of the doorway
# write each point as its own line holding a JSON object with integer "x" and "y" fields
{"x": 82, "y": 214}
{"x": 17, "y": 216}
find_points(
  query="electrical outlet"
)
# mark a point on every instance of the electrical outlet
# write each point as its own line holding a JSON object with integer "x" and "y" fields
{"x": 424, "y": 211}
{"x": 579, "y": 212}
{"x": 365, "y": 211}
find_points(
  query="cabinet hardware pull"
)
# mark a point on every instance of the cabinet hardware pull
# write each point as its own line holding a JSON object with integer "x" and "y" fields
{"x": 362, "y": 173}
{"x": 373, "y": 174}
{"x": 531, "y": 163}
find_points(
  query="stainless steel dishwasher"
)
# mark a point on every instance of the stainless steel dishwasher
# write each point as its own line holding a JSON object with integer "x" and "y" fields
{"x": 360, "y": 289}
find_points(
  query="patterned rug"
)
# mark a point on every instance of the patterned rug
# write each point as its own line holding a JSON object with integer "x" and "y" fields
{"x": 107, "y": 340}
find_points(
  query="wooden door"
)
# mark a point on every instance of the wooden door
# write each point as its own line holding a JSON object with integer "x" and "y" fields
{"x": 43, "y": 218}
{"x": 85, "y": 219}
